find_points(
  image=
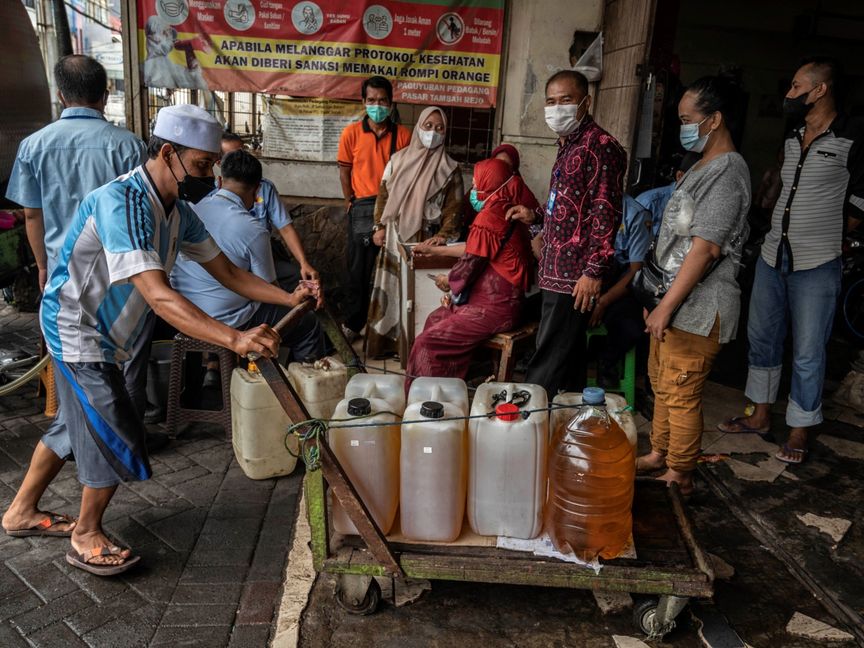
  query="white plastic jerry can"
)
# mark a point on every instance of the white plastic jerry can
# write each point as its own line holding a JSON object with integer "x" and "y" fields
{"x": 370, "y": 457}
{"x": 440, "y": 390}
{"x": 507, "y": 460}
{"x": 320, "y": 385}
{"x": 433, "y": 472}
{"x": 388, "y": 387}
{"x": 616, "y": 405}
{"x": 259, "y": 427}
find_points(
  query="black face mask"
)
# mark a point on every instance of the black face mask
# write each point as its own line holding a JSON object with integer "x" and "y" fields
{"x": 797, "y": 107}
{"x": 191, "y": 188}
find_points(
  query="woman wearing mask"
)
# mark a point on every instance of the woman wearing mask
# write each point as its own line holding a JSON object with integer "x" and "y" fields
{"x": 699, "y": 246}
{"x": 488, "y": 282}
{"x": 420, "y": 200}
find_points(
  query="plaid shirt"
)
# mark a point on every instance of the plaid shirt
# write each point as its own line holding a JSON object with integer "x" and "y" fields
{"x": 583, "y": 211}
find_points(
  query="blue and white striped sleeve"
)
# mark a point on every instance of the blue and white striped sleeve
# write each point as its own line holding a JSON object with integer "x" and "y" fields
{"x": 125, "y": 225}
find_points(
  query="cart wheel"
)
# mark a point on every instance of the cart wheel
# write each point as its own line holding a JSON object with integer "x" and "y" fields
{"x": 366, "y": 606}
{"x": 645, "y": 615}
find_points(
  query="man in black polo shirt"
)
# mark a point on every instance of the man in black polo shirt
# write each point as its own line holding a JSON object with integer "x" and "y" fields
{"x": 799, "y": 269}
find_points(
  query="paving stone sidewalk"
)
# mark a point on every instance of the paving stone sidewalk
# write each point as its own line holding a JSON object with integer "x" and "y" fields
{"x": 213, "y": 543}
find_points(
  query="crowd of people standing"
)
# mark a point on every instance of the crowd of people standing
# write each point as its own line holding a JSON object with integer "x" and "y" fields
{"x": 128, "y": 237}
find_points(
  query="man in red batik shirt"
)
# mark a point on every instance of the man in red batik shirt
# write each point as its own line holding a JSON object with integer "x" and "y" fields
{"x": 580, "y": 219}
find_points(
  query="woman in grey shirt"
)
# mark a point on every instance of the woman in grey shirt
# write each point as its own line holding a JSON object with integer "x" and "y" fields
{"x": 703, "y": 230}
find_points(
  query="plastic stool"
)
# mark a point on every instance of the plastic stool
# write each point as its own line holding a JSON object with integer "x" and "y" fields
{"x": 627, "y": 384}
{"x": 179, "y": 415}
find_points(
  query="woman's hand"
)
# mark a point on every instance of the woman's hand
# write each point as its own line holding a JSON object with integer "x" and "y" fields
{"x": 379, "y": 237}
{"x": 442, "y": 283}
{"x": 425, "y": 247}
{"x": 657, "y": 321}
{"x": 521, "y": 213}
{"x": 446, "y": 300}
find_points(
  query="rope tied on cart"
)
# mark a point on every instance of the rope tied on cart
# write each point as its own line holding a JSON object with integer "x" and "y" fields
{"x": 310, "y": 431}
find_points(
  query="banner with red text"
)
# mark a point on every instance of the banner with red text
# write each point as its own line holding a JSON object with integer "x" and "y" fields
{"x": 434, "y": 51}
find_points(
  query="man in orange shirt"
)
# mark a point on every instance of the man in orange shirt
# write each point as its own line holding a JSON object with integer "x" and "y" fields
{"x": 365, "y": 148}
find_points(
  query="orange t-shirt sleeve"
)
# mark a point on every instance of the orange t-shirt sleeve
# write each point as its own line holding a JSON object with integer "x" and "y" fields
{"x": 345, "y": 154}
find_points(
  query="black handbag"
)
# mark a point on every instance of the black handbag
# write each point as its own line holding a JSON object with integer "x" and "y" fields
{"x": 652, "y": 282}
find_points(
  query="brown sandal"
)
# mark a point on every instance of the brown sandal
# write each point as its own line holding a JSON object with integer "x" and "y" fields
{"x": 43, "y": 528}
{"x": 82, "y": 560}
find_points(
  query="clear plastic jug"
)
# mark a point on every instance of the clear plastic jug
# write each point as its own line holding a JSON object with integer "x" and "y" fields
{"x": 432, "y": 472}
{"x": 507, "y": 460}
{"x": 370, "y": 458}
{"x": 591, "y": 477}
{"x": 320, "y": 385}
{"x": 258, "y": 428}
{"x": 389, "y": 387}
{"x": 616, "y": 405}
{"x": 440, "y": 390}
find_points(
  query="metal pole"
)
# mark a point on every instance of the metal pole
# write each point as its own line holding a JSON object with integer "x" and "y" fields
{"x": 61, "y": 28}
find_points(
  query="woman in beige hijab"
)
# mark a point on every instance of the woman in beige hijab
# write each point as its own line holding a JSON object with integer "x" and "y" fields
{"x": 420, "y": 199}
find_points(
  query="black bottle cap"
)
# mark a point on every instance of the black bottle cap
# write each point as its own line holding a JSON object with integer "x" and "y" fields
{"x": 431, "y": 409}
{"x": 359, "y": 407}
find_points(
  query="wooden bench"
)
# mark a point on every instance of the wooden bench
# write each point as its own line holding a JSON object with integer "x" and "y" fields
{"x": 505, "y": 343}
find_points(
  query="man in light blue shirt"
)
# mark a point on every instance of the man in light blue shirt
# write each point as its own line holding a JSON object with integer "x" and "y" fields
{"x": 60, "y": 164}
{"x": 617, "y": 308}
{"x": 246, "y": 242}
{"x": 271, "y": 213}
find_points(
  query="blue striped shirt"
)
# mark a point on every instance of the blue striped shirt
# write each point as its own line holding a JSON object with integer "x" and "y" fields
{"x": 90, "y": 312}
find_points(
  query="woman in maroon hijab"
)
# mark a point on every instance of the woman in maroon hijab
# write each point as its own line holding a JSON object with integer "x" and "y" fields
{"x": 488, "y": 282}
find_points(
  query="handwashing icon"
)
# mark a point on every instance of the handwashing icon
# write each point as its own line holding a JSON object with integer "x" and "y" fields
{"x": 241, "y": 14}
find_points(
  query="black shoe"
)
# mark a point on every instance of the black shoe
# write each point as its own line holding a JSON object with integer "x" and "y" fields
{"x": 154, "y": 414}
{"x": 156, "y": 441}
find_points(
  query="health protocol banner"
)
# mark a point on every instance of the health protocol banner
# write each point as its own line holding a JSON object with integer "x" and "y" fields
{"x": 435, "y": 52}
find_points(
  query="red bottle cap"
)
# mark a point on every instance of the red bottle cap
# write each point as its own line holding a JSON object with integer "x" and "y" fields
{"x": 507, "y": 412}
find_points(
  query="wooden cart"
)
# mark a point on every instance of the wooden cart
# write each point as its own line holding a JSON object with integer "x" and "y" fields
{"x": 671, "y": 567}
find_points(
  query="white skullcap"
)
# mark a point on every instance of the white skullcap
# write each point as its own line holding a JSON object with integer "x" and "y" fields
{"x": 190, "y": 126}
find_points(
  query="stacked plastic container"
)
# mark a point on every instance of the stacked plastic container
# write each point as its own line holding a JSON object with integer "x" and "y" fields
{"x": 507, "y": 460}
{"x": 320, "y": 385}
{"x": 258, "y": 427}
{"x": 369, "y": 454}
{"x": 433, "y": 460}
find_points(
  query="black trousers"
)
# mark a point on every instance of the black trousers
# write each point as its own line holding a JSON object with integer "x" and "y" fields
{"x": 625, "y": 327}
{"x": 559, "y": 361}
{"x": 362, "y": 253}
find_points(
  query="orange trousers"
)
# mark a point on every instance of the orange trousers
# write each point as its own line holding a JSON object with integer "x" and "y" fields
{"x": 678, "y": 368}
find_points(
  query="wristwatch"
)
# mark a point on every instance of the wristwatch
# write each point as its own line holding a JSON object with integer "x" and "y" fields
{"x": 377, "y": 226}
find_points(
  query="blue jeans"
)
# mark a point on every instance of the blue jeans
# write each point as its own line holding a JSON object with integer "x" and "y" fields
{"x": 807, "y": 299}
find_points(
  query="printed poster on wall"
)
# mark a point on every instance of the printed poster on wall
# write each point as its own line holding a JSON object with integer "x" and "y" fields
{"x": 306, "y": 129}
{"x": 434, "y": 52}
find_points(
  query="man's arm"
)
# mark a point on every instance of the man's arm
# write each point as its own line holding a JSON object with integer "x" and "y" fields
{"x": 616, "y": 292}
{"x": 34, "y": 225}
{"x": 183, "y": 315}
{"x": 295, "y": 247}
{"x": 345, "y": 181}
{"x": 250, "y": 286}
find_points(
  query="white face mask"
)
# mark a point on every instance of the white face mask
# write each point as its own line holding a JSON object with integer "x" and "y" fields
{"x": 431, "y": 139}
{"x": 561, "y": 118}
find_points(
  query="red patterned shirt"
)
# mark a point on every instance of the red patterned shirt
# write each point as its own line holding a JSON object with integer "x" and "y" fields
{"x": 583, "y": 210}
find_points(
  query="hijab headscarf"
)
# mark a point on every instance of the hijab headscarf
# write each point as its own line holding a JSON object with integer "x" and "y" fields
{"x": 417, "y": 174}
{"x": 510, "y": 151}
{"x": 500, "y": 188}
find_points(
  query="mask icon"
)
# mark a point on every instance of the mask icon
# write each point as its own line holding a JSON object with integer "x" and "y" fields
{"x": 172, "y": 9}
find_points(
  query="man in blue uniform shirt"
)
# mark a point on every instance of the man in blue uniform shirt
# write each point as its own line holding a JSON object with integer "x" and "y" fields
{"x": 617, "y": 308}
{"x": 111, "y": 270}
{"x": 246, "y": 242}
